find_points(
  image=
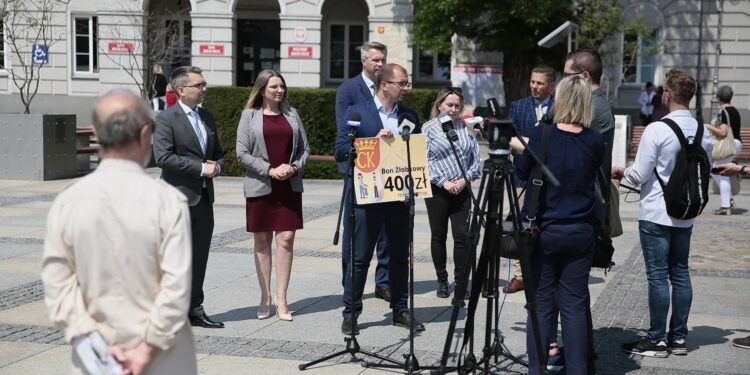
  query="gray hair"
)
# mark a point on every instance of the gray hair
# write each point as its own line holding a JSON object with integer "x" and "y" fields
{"x": 122, "y": 127}
{"x": 373, "y": 45}
{"x": 180, "y": 76}
{"x": 725, "y": 94}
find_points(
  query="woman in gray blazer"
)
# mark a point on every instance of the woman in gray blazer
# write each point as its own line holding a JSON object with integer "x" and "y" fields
{"x": 273, "y": 148}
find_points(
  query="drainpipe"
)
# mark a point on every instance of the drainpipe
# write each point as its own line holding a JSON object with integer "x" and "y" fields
{"x": 699, "y": 89}
{"x": 714, "y": 99}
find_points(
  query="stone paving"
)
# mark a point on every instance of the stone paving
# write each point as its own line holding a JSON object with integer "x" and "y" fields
{"x": 720, "y": 267}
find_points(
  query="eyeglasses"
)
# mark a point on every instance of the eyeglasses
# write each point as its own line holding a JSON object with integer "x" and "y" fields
{"x": 199, "y": 86}
{"x": 452, "y": 90}
{"x": 402, "y": 84}
{"x": 566, "y": 74}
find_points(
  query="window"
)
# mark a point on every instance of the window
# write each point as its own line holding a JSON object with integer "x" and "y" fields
{"x": 345, "y": 59}
{"x": 85, "y": 45}
{"x": 642, "y": 67}
{"x": 258, "y": 48}
{"x": 433, "y": 66}
{"x": 179, "y": 38}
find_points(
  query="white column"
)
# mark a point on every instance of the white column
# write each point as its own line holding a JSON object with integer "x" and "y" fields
{"x": 212, "y": 32}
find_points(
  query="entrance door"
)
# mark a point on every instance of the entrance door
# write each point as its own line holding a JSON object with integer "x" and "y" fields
{"x": 258, "y": 48}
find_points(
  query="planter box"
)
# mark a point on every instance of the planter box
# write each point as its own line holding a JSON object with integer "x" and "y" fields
{"x": 37, "y": 147}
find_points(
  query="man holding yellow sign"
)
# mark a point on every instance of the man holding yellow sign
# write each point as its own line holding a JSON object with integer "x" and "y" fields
{"x": 382, "y": 172}
{"x": 377, "y": 126}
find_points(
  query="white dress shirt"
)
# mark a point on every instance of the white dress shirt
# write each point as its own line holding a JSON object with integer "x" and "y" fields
{"x": 388, "y": 119}
{"x": 369, "y": 83}
{"x": 193, "y": 116}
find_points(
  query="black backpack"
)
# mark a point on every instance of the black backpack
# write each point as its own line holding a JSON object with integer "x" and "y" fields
{"x": 686, "y": 192}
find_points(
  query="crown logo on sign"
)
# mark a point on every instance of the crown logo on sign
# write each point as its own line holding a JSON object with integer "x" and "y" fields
{"x": 367, "y": 145}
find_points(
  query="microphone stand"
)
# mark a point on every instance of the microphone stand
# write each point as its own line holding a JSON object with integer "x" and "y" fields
{"x": 352, "y": 346}
{"x": 410, "y": 364}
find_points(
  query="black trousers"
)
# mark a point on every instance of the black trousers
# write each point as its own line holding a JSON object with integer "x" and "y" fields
{"x": 440, "y": 208}
{"x": 202, "y": 228}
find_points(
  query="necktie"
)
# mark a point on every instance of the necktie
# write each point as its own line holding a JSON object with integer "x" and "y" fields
{"x": 196, "y": 121}
{"x": 539, "y": 112}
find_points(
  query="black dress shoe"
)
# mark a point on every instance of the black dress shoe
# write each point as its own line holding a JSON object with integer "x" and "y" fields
{"x": 346, "y": 327}
{"x": 383, "y": 293}
{"x": 403, "y": 319}
{"x": 204, "y": 321}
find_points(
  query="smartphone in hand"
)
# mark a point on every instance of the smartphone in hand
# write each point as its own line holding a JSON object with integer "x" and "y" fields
{"x": 716, "y": 170}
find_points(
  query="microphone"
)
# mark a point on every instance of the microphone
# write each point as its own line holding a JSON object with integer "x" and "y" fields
{"x": 353, "y": 123}
{"x": 447, "y": 124}
{"x": 476, "y": 122}
{"x": 494, "y": 106}
{"x": 406, "y": 125}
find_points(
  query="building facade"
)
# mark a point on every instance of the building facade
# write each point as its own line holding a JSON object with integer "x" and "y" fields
{"x": 100, "y": 44}
{"x": 97, "y": 45}
{"x": 689, "y": 33}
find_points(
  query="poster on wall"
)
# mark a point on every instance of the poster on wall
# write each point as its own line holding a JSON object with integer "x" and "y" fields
{"x": 479, "y": 82}
{"x": 381, "y": 169}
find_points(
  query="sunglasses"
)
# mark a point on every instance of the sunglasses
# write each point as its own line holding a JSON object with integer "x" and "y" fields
{"x": 452, "y": 90}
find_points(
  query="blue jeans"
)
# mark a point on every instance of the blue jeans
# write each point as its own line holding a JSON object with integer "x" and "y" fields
{"x": 665, "y": 252}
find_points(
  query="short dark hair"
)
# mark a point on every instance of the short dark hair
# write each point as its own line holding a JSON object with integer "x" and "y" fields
{"x": 680, "y": 85}
{"x": 547, "y": 71}
{"x": 649, "y": 84}
{"x": 386, "y": 73}
{"x": 180, "y": 76}
{"x": 586, "y": 59}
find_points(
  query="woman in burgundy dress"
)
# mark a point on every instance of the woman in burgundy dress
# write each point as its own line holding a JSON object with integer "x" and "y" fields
{"x": 273, "y": 148}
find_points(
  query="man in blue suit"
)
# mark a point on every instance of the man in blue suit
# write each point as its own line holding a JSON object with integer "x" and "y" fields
{"x": 526, "y": 113}
{"x": 379, "y": 120}
{"x": 361, "y": 89}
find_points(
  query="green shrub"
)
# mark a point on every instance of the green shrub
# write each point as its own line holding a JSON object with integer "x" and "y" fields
{"x": 316, "y": 107}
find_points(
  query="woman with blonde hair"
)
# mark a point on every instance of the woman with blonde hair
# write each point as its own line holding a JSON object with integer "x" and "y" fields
{"x": 273, "y": 148}
{"x": 451, "y": 196}
{"x": 561, "y": 259}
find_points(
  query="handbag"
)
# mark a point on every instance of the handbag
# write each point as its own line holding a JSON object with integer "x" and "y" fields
{"x": 724, "y": 147}
{"x": 528, "y": 235}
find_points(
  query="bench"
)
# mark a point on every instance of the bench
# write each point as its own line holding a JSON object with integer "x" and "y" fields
{"x": 637, "y": 133}
{"x": 86, "y": 145}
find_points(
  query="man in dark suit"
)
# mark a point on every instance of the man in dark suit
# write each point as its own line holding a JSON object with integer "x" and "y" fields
{"x": 526, "y": 113}
{"x": 361, "y": 89}
{"x": 186, "y": 148}
{"x": 380, "y": 120}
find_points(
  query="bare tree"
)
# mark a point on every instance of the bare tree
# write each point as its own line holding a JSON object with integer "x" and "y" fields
{"x": 154, "y": 42}
{"x": 28, "y": 23}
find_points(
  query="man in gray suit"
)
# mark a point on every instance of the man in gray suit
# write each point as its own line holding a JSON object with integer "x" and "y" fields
{"x": 186, "y": 148}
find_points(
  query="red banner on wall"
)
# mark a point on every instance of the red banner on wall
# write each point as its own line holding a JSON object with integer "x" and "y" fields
{"x": 303, "y": 52}
{"x": 211, "y": 49}
{"x": 120, "y": 47}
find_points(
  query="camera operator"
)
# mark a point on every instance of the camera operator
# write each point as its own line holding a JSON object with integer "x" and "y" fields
{"x": 561, "y": 259}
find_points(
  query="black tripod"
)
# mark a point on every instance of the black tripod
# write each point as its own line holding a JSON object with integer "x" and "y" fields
{"x": 497, "y": 177}
{"x": 352, "y": 346}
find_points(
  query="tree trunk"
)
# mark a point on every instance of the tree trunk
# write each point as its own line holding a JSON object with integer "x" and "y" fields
{"x": 516, "y": 71}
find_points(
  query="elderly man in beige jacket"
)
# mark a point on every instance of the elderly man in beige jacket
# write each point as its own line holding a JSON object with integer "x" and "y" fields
{"x": 117, "y": 261}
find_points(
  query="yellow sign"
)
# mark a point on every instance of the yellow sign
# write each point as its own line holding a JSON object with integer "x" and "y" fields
{"x": 381, "y": 169}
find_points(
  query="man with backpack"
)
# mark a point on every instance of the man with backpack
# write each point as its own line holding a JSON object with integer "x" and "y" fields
{"x": 672, "y": 168}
